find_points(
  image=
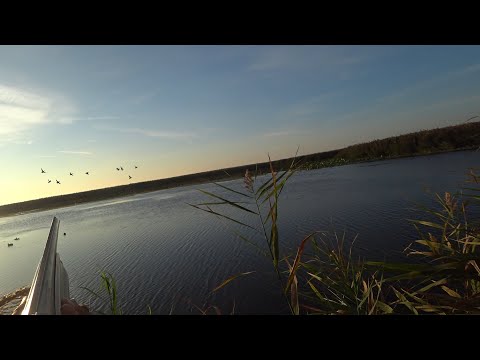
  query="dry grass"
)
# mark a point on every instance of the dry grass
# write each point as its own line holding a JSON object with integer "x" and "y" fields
{"x": 329, "y": 280}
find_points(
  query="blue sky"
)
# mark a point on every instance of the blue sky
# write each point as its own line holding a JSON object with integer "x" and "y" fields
{"x": 175, "y": 110}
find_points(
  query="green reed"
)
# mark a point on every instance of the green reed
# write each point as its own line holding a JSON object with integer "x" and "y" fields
{"x": 329, "y": 279}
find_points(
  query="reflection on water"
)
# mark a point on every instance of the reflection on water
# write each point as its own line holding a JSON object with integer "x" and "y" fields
{"x": 164, "y": 253}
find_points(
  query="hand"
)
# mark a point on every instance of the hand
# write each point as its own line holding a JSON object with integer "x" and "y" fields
{"x": 70, "y": 307}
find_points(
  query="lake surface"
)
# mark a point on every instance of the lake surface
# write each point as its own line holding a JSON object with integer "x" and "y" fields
{"x": 169, "y": 256}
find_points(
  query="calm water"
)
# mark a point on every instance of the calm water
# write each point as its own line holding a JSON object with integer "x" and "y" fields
{"x": 168, "y": 255}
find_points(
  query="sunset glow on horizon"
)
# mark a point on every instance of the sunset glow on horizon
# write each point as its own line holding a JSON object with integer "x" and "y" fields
{"x": 176, "y": 110}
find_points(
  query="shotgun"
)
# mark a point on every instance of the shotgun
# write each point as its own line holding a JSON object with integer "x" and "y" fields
{"x": 50, "y": 284}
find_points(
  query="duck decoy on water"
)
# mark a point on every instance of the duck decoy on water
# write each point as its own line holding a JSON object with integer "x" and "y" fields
{"x": 10, "y": 244}
{"x": 64, "y": 234}
{"x": 87, "y": 173}
{"x": 136, "y": 167}
{"x": 129, "y": 177}
{"x": 17, "y": 238}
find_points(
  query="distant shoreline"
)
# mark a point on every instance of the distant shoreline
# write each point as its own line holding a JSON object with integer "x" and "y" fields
{"x": 163, "y": 184}
{"x": 461, "y": 137}
{"x": 468, "y": 148}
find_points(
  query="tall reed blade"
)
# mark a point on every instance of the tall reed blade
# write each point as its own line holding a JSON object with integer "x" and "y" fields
{"x": 230, "y": 279}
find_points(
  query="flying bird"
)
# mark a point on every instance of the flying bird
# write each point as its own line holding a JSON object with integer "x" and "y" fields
{"x": 71, "y": 174}
{"x": 49, "y": 181}
{"x": 121, "y": 168}
{"x": 136, "y": 166}
{"x": 58, "y": 182}
{"x": 129, "y": 177}
{"x": 43, "y": 171}
{"x": 118, "y": 169}
{"x": 87, "y": 173}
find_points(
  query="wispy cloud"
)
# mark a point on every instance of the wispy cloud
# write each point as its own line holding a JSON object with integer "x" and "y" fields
{"x": 443, "y": 79}
{"x": 151, "y": 133}
{"x": 88, "y": 118}
{"x": 473, "y": 68}
{"x": 142, "y": 98}
{"x": 22, "y": 142}
{"x": 313, "y": 105}
{"x": 285, "y": 133}
{"x": 278, "y": 133}
{"x": 44, "y": 156}
{"x": 22, "y": 110}
{"x": 75, "y": 152}
{"x": 306, "y": 57}
{"x": 405, "y": 101}
{"x": 474, "y": 98}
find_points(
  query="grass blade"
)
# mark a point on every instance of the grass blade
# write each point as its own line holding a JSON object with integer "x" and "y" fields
{"x": 222, "y": 203}
{"x": 294, "y": 292}
{"x": 228, "y": 201}
{"x": 451, "y": 292}
{"x": 296, "y": 262}
{"x": 435, "y": 283}
{"x": 270, "y": 187}
{"x": 231, "y": 278}
{"x": 210, "y": 211}
{"x": 261, "y": 188}
{"x": 93, "y": 293}
{"x": 427, "y": 223}
{"x": 234, "y": 191}
{"x": 274, "y": 243}
{"x": 250, "y": 242}
{"x": 404, "y": 301}
{"x": 387, "y": 309}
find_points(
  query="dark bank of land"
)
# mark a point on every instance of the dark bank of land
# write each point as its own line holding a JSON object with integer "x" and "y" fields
{"x": 426, "y": 142}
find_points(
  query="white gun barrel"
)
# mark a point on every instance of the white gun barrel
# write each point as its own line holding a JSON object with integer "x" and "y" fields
{"x": 50, "y": 284}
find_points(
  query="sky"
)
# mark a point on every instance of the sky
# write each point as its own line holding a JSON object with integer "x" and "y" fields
{"x": 174, "y": 110}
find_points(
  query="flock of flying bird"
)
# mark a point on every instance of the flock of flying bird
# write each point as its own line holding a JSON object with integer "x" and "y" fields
{"x": 58, "y": 182}
{"x": 87, "y": 173}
